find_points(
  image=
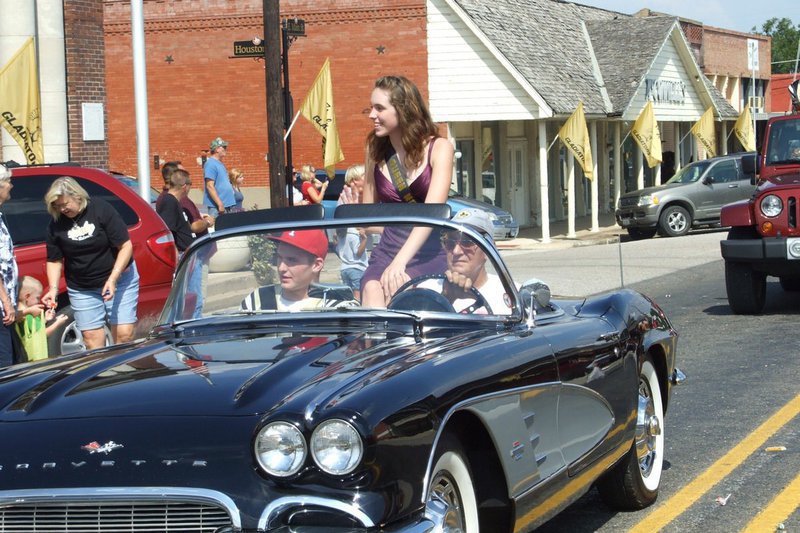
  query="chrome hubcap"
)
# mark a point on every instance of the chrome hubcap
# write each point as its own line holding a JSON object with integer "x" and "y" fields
{"x": 648, "y": 428}
{"x": 445, "y": 489}
{"x": 676, "y": 222}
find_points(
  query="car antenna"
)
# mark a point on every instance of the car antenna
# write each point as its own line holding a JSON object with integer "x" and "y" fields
{"x": 621, "y": 276}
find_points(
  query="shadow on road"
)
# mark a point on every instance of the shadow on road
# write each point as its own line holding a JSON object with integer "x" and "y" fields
{"x": 779, "y": 302}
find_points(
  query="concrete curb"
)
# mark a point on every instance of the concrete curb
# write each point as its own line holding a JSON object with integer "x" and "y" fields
{"x": 606, "y": 235}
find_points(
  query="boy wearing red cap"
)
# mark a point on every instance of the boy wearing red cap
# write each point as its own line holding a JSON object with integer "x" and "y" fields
{"x": 299, "y": 258}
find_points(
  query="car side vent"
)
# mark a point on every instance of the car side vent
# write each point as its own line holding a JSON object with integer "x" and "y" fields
{"x": 792, "y": 211}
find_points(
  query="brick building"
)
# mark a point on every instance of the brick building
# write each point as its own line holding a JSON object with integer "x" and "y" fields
{"x": 722, "y": 55}
{"x": 725, "y": 64}
{"x": 85, "y": 66}
{"x": 70, "y": 49}
{"x": 197, "y": 92}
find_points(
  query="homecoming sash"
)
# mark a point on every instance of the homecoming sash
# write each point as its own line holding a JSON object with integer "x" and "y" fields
{"x": 398, "y": 176}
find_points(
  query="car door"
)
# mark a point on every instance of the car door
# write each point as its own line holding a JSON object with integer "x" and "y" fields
{"x": 708, "y": 191}
{"x": 730, "y": 185}
{"x": 590, "y": 355}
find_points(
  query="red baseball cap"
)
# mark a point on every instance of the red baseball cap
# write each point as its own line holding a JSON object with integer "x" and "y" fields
{"x": 312, "y": 241}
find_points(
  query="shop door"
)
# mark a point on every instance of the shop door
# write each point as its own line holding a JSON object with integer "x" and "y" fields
{"x": 519, "y": 196}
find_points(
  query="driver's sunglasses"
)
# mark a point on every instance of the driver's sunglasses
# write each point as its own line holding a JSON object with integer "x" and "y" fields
{"x": 450, "y": 240}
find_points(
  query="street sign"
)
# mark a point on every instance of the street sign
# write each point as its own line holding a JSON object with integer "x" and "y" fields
{"x": 752, "y": 54}
{"x": 248, "y": 49}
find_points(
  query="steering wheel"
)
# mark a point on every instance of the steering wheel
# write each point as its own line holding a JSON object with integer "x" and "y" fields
{"x": 399, "y": 298}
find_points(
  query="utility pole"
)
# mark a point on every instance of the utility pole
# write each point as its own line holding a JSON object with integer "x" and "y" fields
{"x": 275, "y": 105}
{"x": 288, "y": 111}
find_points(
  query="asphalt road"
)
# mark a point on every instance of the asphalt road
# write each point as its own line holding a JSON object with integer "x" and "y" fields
{"x": 741, "y": 370}
{"x": 584, "y": 270}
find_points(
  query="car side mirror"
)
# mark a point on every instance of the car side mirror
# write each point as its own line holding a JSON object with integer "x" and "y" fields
{"x": 535, "y": 295}
{"x": 750, "y": 167}
{"x": 707, "y": 180}
{"x": 749, "y": 164}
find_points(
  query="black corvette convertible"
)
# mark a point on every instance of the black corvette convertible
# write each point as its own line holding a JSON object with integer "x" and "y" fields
{"x": 248, "y": 409}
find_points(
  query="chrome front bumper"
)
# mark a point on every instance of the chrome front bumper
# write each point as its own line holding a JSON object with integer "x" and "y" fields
{"x": 431, "y": 521}
{"x": 227, "y": 515}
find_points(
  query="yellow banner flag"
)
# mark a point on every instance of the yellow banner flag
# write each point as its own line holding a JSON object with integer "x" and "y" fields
{"x": 744, "y": 130}
{"x": 20, "y": 107}
{"x": 318, "y": 109}
{"x": 705, "y": 132}
{"x": 575, "y": 136}
{"x": 645, "y": 132}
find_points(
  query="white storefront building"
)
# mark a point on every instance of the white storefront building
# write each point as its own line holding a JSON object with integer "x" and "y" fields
{"x": 505, "y": 76}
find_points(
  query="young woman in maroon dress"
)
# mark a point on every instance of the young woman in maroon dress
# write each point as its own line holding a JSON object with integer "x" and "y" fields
{"x": 401, "y": 121}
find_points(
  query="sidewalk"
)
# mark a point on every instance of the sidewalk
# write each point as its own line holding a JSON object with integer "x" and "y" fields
{"x": 531, "y": 238}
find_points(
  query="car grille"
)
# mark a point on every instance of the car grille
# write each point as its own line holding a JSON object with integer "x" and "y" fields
{"x": 628, "y": 202}
{"x": 71, "y": 517}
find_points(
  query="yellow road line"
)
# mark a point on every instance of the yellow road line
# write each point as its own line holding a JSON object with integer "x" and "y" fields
{"x": 684, "y": 498}
{"x": 778, "y": 510}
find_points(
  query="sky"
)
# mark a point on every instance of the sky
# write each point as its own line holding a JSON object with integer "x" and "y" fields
{"x": 740, "y": 15}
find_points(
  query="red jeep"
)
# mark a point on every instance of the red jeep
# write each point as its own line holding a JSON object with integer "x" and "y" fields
{"x": 764, "y": 239}
{"x": 27, "y": 219}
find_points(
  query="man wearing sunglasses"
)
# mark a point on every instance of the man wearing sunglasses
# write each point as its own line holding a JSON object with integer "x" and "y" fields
{"x": 466, "y": 267}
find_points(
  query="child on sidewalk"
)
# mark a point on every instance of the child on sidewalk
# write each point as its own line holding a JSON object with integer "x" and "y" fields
{"x": 32, "y": 319}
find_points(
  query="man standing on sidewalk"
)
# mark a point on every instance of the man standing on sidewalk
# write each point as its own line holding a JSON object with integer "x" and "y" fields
{"x": 219, "y": 196}
{"x": 199, "y": 223}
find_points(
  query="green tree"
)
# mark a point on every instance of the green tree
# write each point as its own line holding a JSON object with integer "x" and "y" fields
{"x": 785, "y": 40}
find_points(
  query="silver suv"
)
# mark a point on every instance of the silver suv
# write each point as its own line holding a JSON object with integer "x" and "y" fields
{"x": 692, "y": 197}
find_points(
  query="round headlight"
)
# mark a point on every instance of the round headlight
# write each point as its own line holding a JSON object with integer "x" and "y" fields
{"x": 336, "y": 447}
{"x": 280, "y": 449}
{"x": 771, "y": 205}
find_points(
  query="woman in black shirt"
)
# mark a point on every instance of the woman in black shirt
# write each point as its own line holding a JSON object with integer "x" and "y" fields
{"x": 90, "y": 241}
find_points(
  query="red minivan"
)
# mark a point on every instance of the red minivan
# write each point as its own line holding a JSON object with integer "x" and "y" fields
{"x": 27, "y": 219}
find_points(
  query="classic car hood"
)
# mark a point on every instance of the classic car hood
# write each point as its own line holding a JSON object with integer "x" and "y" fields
{"x": 237, "y": 375}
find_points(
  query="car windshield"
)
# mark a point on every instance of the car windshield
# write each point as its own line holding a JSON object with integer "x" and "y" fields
{"x": 318, "y": 269}
{"x": 784, "y": 142}
{"x": 690, "y": 173}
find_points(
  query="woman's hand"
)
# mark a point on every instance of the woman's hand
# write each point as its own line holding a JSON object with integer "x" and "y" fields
{"x": 9, "y": 313}
{"x": 49, "y": 298}
{"x": 393, "y": 278}
{"x": 109, "y": 289}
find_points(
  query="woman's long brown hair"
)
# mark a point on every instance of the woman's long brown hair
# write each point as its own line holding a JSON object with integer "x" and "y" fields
{"x": 414, "y": 120}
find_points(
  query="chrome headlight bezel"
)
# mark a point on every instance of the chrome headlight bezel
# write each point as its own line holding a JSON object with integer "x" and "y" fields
{"x": 771, "y": 206}
{"x": 336, "y": 447}
{"x": 278, "y": 439}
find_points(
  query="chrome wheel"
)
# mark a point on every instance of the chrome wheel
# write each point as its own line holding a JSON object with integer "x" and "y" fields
{"x": 633, "y": 483}
{"x": 451, "y": 490}
{"x": 674, "y": 221}
{"x": 649, "y": 440}
{"x": 72, "y": 339}
{"x": 445, "y": 489}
